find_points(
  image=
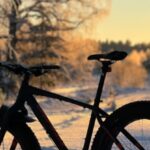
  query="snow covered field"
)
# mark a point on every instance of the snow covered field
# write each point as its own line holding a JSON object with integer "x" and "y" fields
{"x": 71, "y": 121}
{"x": 72, "y": 129}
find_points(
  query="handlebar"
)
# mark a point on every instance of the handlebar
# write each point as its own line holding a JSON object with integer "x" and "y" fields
{"x": 23, "y": 70}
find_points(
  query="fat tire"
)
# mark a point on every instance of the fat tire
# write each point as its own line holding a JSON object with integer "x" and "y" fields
{"x": 24, "y": 136}
{"x": 120, "y": 118}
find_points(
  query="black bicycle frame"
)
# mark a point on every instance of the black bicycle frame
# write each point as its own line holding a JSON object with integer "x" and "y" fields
{"x": 39, "y": 113}
{"x": 47, "y": 124}
{"x": 27, "y": 92}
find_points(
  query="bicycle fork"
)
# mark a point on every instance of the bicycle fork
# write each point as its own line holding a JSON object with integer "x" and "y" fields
{"x": 4, "y": 124}
{"x": 4, "y": 128}
{"x": 14, "y": 141}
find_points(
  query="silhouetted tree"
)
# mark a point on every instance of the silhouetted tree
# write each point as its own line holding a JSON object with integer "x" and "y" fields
{"x": 35, "y": 28}
{"x": 125, "y": 46}
{"x": 49, "y": 18}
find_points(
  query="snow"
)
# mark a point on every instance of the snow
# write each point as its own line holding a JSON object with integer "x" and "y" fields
{"x": 71, "y": 121}
{"x": 71, "y": 127}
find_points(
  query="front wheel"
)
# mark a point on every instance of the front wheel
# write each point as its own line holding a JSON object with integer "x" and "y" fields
{"x": 22, "y": 135}
{"x": 18, "y": 136}
{"x": 133, "y": 118}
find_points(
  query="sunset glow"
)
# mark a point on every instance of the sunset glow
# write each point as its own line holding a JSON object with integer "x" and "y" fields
{"x": 128, "y": 20}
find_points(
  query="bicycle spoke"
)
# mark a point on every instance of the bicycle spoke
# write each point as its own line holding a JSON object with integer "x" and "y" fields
{"x": 132, "y": 139}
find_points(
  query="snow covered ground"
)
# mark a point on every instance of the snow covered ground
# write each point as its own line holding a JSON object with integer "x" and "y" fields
{"x": 71, "y": 121}
{"x": 71, "y": 127}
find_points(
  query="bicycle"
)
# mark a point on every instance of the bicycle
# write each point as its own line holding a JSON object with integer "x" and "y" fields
{"x": 15, "y": 118}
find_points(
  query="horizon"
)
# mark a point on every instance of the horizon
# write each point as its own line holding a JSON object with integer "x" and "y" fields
{"x": 121, "y": 21}
{"x": 128, "y": 20}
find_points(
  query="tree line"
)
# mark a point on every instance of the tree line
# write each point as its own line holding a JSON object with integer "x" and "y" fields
{"x": 34, "y": 31}
{"x": 124, "y": 46}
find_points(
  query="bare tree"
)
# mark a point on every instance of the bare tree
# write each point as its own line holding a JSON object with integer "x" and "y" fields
{"x": 45, "y": 17}
{"x": 9, "y": 17}
{"x": 42, "y": 24}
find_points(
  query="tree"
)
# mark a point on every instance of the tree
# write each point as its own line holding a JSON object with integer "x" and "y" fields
{"x": 49, "y": 18}
{"x": 35, "y": 29}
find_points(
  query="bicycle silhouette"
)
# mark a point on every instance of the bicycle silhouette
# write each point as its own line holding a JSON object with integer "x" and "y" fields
{"x": 112, "y": 134}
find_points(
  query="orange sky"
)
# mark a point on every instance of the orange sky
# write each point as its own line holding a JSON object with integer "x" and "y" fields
{"x": 128, "y": 20}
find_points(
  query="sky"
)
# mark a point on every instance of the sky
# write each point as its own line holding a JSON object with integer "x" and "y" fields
{"x": 128, "y": 20}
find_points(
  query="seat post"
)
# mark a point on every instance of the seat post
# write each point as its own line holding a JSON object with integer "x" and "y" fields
{"x": 105, "y": 68}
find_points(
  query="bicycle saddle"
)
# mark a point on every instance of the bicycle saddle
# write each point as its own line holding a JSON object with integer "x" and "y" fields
{"x": 114, "y": 56}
